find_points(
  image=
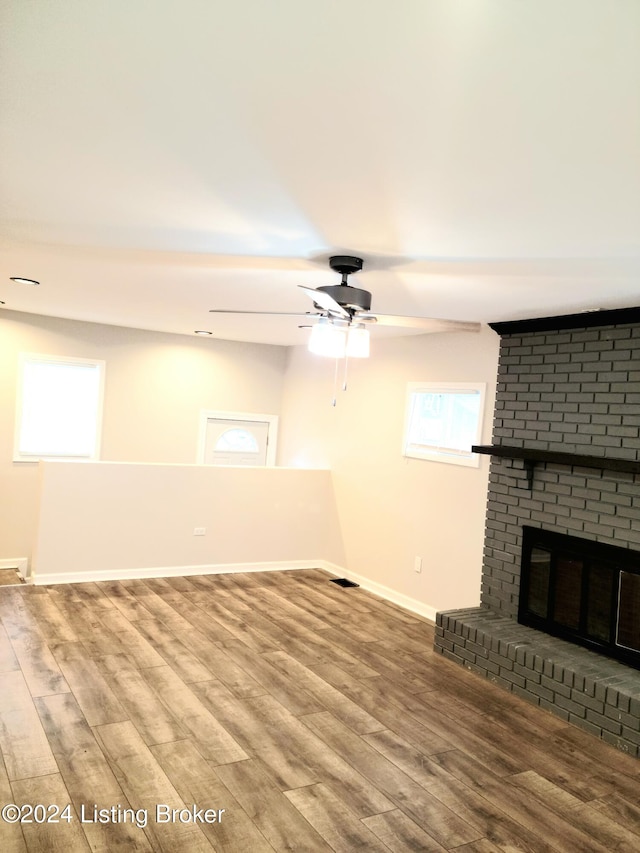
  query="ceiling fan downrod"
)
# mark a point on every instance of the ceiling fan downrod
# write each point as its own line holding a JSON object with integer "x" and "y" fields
{"x": 351, "y": 298}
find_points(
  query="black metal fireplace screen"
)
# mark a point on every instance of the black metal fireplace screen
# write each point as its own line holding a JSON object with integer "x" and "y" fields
{"x": 583, "y": 591}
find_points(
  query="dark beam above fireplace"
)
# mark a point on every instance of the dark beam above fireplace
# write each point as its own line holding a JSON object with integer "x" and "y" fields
{"x": 533, "y": 457}
{"x": 612, "y": 317}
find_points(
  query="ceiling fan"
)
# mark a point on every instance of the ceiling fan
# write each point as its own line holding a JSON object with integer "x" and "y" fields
{"x": 343, "y": 313}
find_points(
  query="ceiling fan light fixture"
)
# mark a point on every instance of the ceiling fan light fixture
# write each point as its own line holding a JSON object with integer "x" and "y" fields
{"x": 336, "y": 339}
{"x": 327, "y": 339}
{"x": 358, "y": 341}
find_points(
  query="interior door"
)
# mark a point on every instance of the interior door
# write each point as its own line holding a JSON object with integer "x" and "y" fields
{"x": 236, "y": 442}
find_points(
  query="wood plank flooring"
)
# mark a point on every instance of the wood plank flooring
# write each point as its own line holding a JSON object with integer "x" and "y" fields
{"x": 293, "y": 714}
{"x": 10, "y": 576}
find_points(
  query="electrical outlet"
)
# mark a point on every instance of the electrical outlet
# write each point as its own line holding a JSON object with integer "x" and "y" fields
{"x": 417, "y": 564}
{"x": 199, "y": 531}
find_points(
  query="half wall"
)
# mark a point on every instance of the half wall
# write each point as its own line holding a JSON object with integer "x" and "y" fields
{"x": 118, "y": 520}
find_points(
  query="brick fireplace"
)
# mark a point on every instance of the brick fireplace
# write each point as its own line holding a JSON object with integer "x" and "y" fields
{"x": 565, "y": 459}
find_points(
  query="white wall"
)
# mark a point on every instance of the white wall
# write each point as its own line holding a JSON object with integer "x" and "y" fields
{"x": 124, "y": 520}
{"x": 155, "y": 386}
{"x": 390, "y": 509}
{"x": 393, "y": 509}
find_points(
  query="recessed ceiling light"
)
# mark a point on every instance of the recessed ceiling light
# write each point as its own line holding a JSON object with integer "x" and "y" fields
{"x": 21, "y": 280}
{"x": 202, "y": 332}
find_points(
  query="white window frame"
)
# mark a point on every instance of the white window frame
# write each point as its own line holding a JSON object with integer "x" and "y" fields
{"x": 25, "y": 358}
{"x": 434, "y": 453}
{"x": 272, "y": 420}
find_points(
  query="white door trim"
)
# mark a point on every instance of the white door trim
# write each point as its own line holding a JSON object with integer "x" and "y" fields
{"x": 207, "y": 414}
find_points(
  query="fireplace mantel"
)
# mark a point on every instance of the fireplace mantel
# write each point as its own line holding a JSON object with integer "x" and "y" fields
{"x": 533, "y": 457}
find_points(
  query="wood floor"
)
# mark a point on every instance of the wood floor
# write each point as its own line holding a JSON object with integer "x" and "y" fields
{"x": 318, "y": 718}
{"x": 10, "y": 576}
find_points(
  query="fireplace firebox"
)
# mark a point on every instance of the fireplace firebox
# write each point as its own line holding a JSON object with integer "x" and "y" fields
{"x": 583, "y": 591}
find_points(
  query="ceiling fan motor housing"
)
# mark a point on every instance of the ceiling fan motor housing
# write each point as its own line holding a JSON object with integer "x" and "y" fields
{"x": 349, "y": 297}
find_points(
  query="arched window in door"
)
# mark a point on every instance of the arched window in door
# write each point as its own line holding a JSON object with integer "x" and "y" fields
{"x": 237, "y": 438}
{"x": 237, "y": 441}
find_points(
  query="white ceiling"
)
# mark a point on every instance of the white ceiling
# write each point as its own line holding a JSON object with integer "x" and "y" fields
{"x": 158, "y": 159}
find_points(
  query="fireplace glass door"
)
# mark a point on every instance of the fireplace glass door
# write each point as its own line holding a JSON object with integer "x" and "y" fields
{"x": 582, "y": 591}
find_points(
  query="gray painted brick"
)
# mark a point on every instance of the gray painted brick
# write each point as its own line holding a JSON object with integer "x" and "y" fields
{"x": 504, "y": 664}
{"x": 525, "y": 694}
{"x": 572, "y": 347}
{"x": 628, "y": 721}
{"x": 556, "y": 686}
{"x": 604, "y": 723}
{"x": 527, "y": 673}
{"x": 624, "y": 701}
{"x": 592, "y": 728}
{"x": 631, "y": 735}
{"x": 491, "y": 667}
{"x": 590, "y": 702}
{"x": 559, "y": 712}
{"x": 579, "y": 395}
{"x": 466, "y": 655}
{"x": 616, "y": 333}
{"x": 587, "y": 335}
{"x": 478, "y": 650}
{"x": 500, "y": 682}
{"x": 569, "y": 705}
{"x": 542, "y": 692}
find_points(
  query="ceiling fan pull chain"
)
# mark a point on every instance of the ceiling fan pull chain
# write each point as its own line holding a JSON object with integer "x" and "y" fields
{"x": 335, "y": 384}
{"x": 346, "y": 364}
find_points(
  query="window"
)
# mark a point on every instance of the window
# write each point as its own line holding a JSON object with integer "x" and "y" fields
{"x": 238, "y": 441}
{"x": 59, "y": 409}
{"x": 237, "y": 438}
{"x": 443, "y": 421}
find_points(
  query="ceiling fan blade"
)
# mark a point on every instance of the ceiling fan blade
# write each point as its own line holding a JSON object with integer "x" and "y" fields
{"x": 272, "y": 313}
{"x": 427, "y": 324}
{"x": 324, "y": 300}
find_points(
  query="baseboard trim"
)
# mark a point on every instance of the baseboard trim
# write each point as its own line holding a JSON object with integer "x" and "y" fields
{"x": 385, "y": 592}
{"x": 182, "y": 571}
{"x": 394, "y": 597}
{"x": 19, "y": 563}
